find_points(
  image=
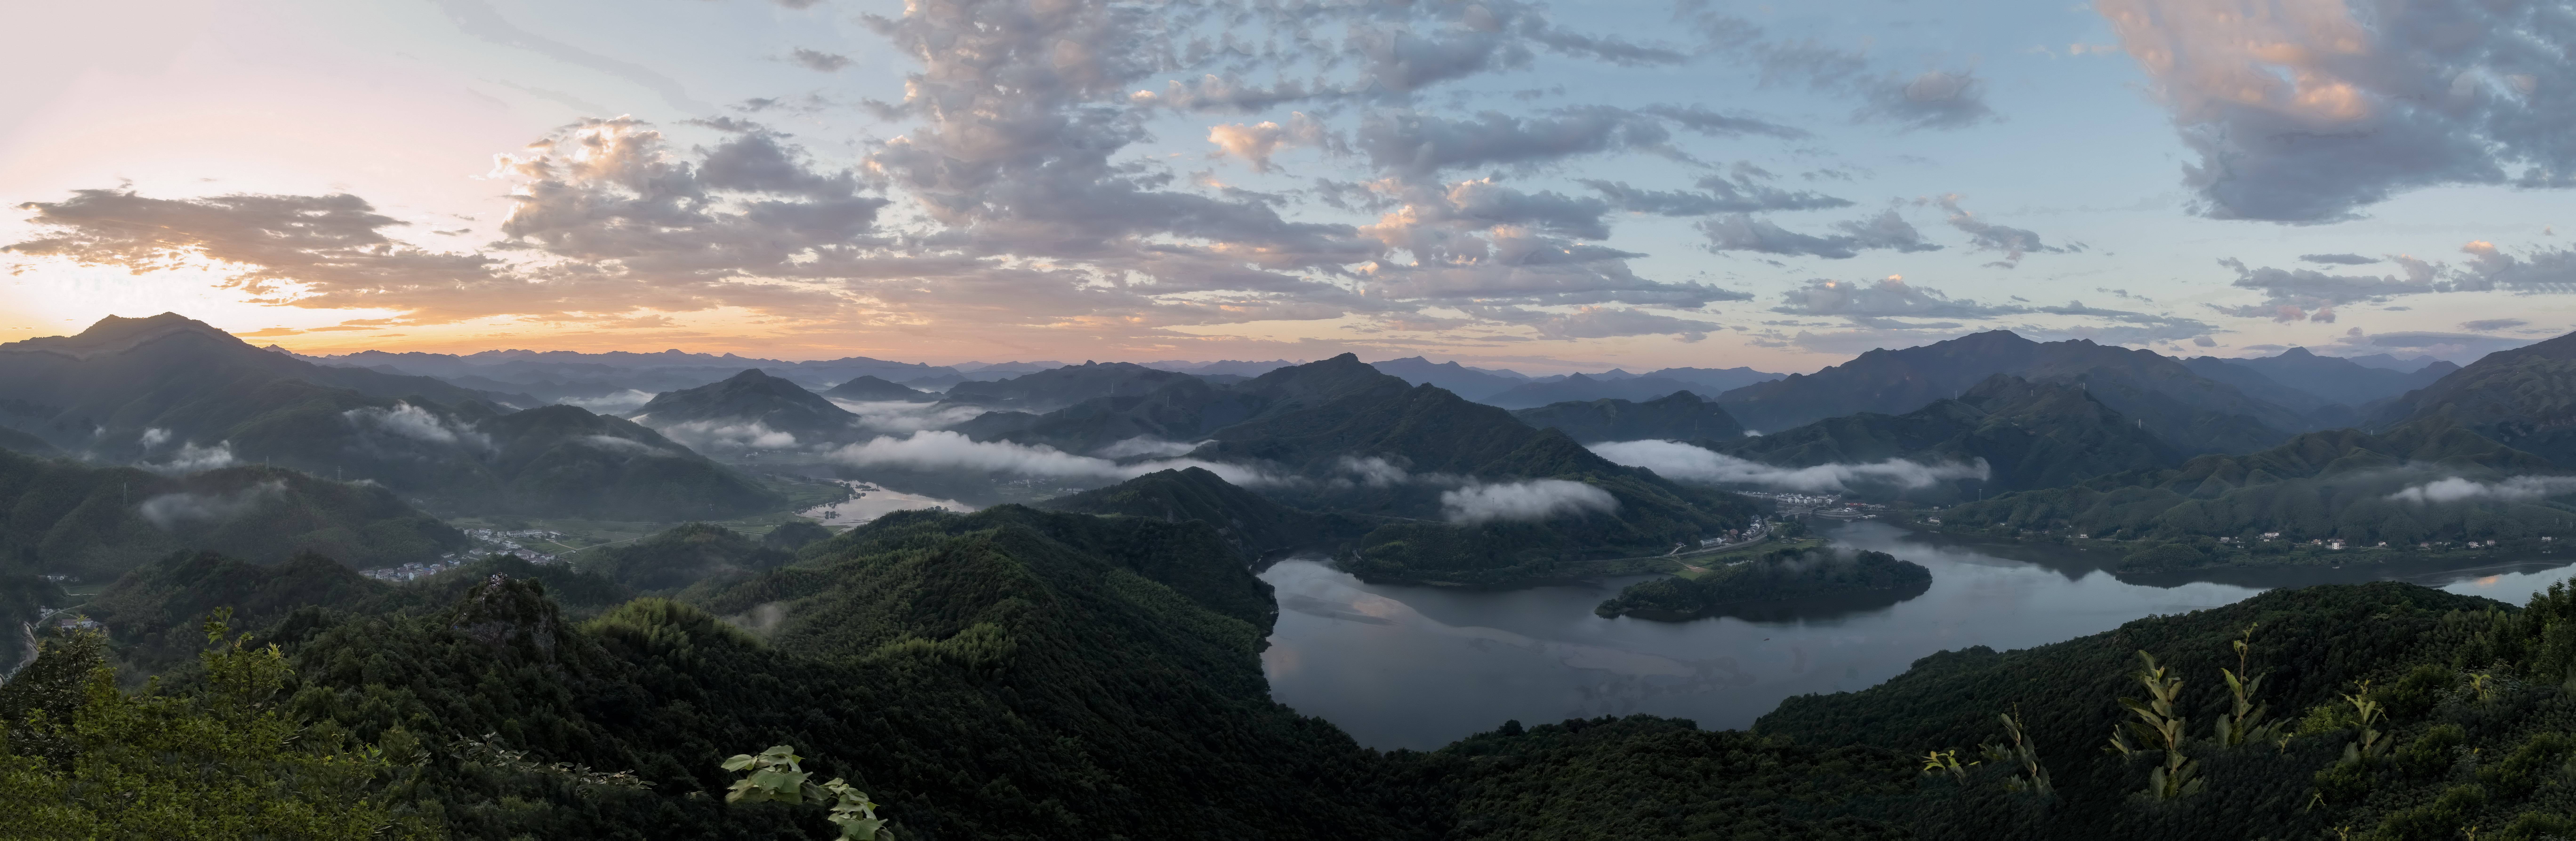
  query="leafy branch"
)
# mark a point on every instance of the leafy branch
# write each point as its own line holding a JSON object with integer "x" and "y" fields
{"x": 776, "y": 778}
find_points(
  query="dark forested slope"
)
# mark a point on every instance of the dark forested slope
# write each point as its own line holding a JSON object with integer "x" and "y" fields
{"x": 2029, "y": 436}
{"x": 2430, "y": 480}
{"x": 1679, "y": 416}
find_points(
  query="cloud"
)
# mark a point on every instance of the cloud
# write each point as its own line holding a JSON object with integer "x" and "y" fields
{"x": 1414, "y": 143}
{"x": 172, "y": 509}
{"x": 1704, "y": 121}
{"x": 818, "y": 61}
{"x": 1537, "y": 499}
{"x": 1255, "y": 143}
{"x": 606, "y": 222}
{"x": 629, "y": 446}
{"x": 195, "y": 459}
{"x": 1683, "y": 461}
{"x": 2490, "y": 325}
{"x": 1146, "y": 445}
{"x": 1987, "y": 236}
{"x": 2309, "y": 112}
{"x": 2296, "y": 294}
{"x": 1374, "y": 471}
{"x": 1598, "y": 322}
{"x": 2537, "y": 270}
{"x": 153, "y": 437}
{"x": 2515, "y": 489}
{"x": 941, "y": 450}
{"x": 908, "y": 416}
{"x": 1740, "y": 194}
{"x": 706, "y": 435}
{"x": 618, "y": 403}
{"x": 1741, "y": 232}
{"x": 1928, "y": 99}
{"x": 1891, "y": 297}
{"x": 413, "y": 422}
{"x": 2339, "y": 259}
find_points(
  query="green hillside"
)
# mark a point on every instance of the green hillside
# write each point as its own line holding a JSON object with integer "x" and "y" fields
{"x": 2345, "y": 484}
{"x": 1680, "y": 416}
{"x": 1775, "y": 576}
{"x": 2029, "y": 435}
{"x": 96, "y": 523}
{"x": 2523, "y": 397}
{"x": 1023, "y": 674}
{"x": 1252, "y": 524}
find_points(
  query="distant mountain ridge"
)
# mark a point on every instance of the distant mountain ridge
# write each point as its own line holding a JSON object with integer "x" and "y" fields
{"x": 182, "y": 395}
{"x": 1059, "y": 387}
{"x": 751, "y": 397}
{"x": 2339, "y": 380}
{"x": 2030, "y": 435}
{"x": 2182, "y": 407}
{"x": 2342, "y": 483}
{"x": 2524, "y": 397}
{"x": 1680, "y": 416}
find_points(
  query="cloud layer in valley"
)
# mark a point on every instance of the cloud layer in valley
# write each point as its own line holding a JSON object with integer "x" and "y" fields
{"x": 1537, "y": 499}
{"x": 1685, "y": 462}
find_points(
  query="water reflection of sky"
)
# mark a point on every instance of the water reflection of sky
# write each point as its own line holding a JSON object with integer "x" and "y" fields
{"x": 872, "y": 502}
{"x": 1418, "y": 667}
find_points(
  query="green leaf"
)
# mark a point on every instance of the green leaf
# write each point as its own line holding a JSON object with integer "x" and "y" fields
{"x": 738, "y": 762}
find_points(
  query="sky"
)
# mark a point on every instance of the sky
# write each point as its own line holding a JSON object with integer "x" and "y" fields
{"x": 1510, "y": 184}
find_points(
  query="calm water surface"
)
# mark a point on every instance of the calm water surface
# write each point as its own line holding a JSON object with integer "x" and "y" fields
{"x": 1418, "y": 667}
{"x": 872, "y": 502}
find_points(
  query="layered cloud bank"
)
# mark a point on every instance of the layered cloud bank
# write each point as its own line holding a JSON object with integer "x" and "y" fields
{"x": 2515, "y": 489}
{"x": 943, "y": 450}
{"x": 1532, "y": 500}
{"x": 1683, "y": 461}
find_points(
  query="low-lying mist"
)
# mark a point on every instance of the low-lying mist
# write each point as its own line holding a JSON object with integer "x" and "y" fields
{"x": 1677, "y": 460}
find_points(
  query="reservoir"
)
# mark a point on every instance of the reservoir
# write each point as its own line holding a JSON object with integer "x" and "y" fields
{"x": 868, "y": 502}
{"x": 1419, "y": 667}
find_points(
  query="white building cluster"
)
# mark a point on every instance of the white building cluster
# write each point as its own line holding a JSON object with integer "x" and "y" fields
{"x": 487, "y": 542}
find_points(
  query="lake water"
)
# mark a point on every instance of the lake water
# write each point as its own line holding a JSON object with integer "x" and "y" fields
{"x": 1419, "y": 667}
{"x": 872, "y": 502}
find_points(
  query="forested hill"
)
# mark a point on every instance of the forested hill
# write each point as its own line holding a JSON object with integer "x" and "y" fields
{"x": 1021, "y": 674}
{"x": 747, "y": 398}
{"x": 102, "y": 389}
{"x": 1059, "y": 387}
{"x": 2190, "y": 411}
{"x": 2345, "y": 484}
{"x": 1679, "y": 416}
{"x": 2524, "y": 397}
{"x": 96, "y": 523}
{"x": 1252, "y": 524}
{"x": 180, "y": 396}
{"x": 2030, "y": 435}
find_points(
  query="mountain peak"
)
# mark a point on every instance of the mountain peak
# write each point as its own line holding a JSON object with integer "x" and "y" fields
{"x": 117, "y": 333}
{"x": 2298, "y": 352}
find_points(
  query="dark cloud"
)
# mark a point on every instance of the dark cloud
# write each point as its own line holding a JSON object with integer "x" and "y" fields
{"x": 1741, "y": 194}
{"x": 818, "y": 61}
{"x": 2012, "y": 242}
{"x": 1417, "y": 144}
{"x": 1930, "y": 99}
{"x": 2308, "y": 294}
{"x": 2339, "y": 259}
{"x": 1888, "y": 298}
{"x": 2310, "y": 116}
{"x": 2490, "y": 325}
{"x": 1704, "y": 121}
{"x": 2538, "y": 270}
{"x": 1742, "y": 232}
